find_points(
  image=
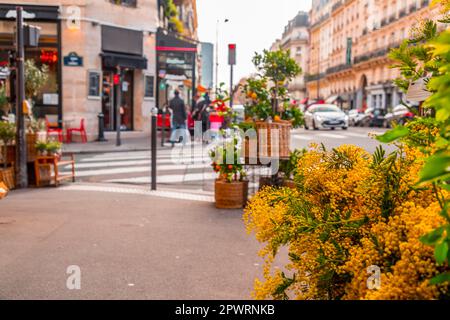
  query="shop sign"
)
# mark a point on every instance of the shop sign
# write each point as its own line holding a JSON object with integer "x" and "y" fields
{"x": 73, "y": 60}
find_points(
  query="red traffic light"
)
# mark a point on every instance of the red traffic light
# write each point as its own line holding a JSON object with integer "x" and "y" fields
{"x": 116, "y": 79}
{"x": 232, "y": 46}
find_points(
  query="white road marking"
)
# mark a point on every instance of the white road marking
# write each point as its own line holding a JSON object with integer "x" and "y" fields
{"x": 300, "y": 137}
{"x": 173, "y": 178}
{"x": 110, "y": 164}
{"x": 102, "y": 172}
{"x": 161, "y": 194}
{"x": 332, "y": 136}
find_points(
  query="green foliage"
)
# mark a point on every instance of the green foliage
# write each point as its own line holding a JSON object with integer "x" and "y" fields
{"x": 275, "y": 70}
{"x": 226, "y": 158}
{"x": 428, "y": 53}
{"x": 3, "y": 100}
{"x": 7, "y": 135}
{"x": 35, "y": 78}
{"x": 289, "y": 168}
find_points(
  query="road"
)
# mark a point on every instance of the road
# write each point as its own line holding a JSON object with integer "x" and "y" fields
{"x": 192, "y": 172}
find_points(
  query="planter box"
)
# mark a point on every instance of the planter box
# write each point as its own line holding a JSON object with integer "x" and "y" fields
{"x": 265, "y": 131}
{"x": 7, "y": 176}
{"x": 232, "y": 195}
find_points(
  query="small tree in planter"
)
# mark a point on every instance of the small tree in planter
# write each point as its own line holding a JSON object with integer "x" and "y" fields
{"x": 4, "y": 104}
{"x": 7, "y": 135}
{"x": 35, "y": 79}
{"x": 265, "y": 92}
{"x": 231, "y": 187}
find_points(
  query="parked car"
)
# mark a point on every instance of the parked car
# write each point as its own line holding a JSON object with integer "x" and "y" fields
{"x": 325, "y": 116}
{"x": 373, "y": 118}
{"x": 400, "y": 114}
{"x": 355, "y": 116}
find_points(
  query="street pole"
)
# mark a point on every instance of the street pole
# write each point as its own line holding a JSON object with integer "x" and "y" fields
{"x": 118, "y": 105}
{"x": 217, "y": 55}
{"x": 154, "y": 149}
{"x": 231, "y": 86}
{"x": 21, "y": 150}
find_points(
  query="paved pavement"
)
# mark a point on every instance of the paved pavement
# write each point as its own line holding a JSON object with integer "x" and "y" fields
{"x": 128, "y": 245}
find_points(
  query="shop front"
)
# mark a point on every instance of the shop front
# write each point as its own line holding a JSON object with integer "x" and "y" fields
{"x": 47, "y": 101}
{"x": 122, "y": 55}
{"x": 176, "y": 68}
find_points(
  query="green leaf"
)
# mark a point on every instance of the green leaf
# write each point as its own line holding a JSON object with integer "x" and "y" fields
{"x": 440, "y": 252}
{"x": 435, "y": 167}
{"x": 394, "y": 134}
{"x": 432, "y": 237}
{"x": 443, "y": 277}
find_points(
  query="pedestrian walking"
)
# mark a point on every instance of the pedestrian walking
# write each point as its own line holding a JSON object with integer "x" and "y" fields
{"x": 179, "y": 117}
{"x": 202, "y": 112}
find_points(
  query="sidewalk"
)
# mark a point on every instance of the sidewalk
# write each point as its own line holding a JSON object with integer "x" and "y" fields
{"x": 128, "y": 246}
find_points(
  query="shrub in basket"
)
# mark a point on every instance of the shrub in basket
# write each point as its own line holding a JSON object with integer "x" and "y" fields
{"x": 7, "y": 136}
{"x": 231, "y": 186}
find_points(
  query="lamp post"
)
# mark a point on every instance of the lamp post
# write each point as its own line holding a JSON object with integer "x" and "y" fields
{"x": 217, "y": 51}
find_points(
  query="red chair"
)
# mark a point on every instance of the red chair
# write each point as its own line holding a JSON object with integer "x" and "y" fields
{"x": 81, "y": 130}
{"x": 52, "y": 128}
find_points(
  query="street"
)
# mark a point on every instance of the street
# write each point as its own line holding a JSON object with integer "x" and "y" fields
{"x": 133, "y": 167}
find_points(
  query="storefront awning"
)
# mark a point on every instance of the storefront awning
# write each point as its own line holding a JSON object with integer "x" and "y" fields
{"x": 170, "y": 42}
{"x": 113, "y": 60}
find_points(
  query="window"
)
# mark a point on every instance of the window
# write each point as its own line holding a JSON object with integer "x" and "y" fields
{"x": 94, "y": 84}
{"x": 125, "y": 3}
{"x": 149, "y": 87}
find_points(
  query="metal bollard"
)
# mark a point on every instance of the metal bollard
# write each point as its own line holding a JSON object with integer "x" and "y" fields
{"x": 154, "y": 150}
{"x": 101, "y": 128}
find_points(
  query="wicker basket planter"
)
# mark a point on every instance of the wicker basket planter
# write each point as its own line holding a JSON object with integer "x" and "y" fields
{"x": 31, "y": 139}
{"x": 7, "y": 176}
{"x": 265, "y": 132}
{"x": 231, "y": 195}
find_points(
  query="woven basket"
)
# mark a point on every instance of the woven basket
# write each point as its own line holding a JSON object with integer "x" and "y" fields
{"x": 265, "y": 132}
{"x": 7, "y": 176}
{"x": 232, "y": 195}
{"x": 31, "y": 139}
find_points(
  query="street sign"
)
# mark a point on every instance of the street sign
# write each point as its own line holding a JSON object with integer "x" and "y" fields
{"x": 31, "y": 35}
{"x": 232, "y": 54}
{"x": 73, "y": 60}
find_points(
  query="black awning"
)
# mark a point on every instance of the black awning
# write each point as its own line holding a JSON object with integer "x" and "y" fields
{"x": 31, "y": 12}
{"x": 113, "y": 60}
{"x": 171, "y": 42}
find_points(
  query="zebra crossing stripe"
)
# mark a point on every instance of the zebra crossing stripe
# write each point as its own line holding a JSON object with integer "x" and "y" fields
{"x": 173, "y": 178}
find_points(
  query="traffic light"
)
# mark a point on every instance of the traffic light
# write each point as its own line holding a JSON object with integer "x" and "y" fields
{"x": 232, "y": 54}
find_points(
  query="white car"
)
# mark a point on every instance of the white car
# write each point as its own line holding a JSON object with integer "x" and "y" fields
{"x": 324, "y": 116}
{"x": 355, "y": 116}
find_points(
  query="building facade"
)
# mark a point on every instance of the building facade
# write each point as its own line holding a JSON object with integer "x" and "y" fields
{"x": 207, "y": 65}
{"x": 350, "y": 41}
{"x": 296, "y": 39}
{"x": 177, "y": 52}
{"x": 93, "y": 49}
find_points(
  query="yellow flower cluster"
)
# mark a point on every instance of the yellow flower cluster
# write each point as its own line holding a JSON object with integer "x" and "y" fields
{"x": 350, "y": 211}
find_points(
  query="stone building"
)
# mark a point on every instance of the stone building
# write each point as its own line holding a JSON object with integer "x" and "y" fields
{"x": 102, "y": 57}
{"x": 350, "y": 40}
{"x": 296, "y": 39}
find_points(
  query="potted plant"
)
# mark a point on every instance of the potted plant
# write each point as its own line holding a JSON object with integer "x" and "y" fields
{"x": 54, "y": 148}
{"x": 268, "y": 102}
{"x": 36, "y": 131}
{"x": 41, "y": 147}
{"x": 289, "y": 168}
{"x": 231, "y": 186}
{"x": 7, "y": 136}
{"x": 4, "y": 103}
{"x": 35, "y": 79}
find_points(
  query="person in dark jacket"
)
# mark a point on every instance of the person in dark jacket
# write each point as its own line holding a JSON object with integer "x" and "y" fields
{"x": 202, "y": 112}
{"x": 179, "y": 117}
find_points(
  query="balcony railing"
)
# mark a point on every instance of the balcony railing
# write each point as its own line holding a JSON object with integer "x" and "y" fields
{"x": 402, "y": 13}
{"x": 425, "y": 3}
{"x": 314, "y": 77}
{"x": 338, "y": 68}
{"x": 375, "y": 53}
{"x": 412, "y": 8}
{"x": 125, "y": 3}
{"x": 336, "y": 6}
{"x": 383, "y": 22}
{"x": 392, "y": 18}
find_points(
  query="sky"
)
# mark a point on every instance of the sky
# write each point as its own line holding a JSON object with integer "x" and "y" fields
{"x": 253, "y": 26}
